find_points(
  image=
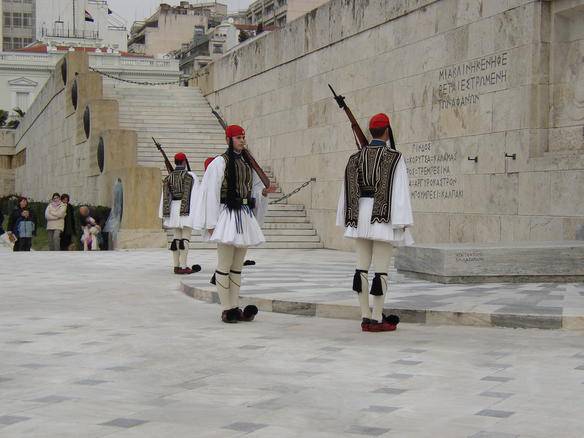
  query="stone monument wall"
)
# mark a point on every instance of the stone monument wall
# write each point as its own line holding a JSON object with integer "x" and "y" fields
{"x": 486, "y": 99}
{"x": 70, "y": 142}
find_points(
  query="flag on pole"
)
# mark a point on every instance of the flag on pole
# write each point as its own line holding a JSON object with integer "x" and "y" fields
{"x": 88, "y": 17}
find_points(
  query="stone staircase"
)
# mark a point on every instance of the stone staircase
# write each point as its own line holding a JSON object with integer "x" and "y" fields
{"x": 180, "y": 119}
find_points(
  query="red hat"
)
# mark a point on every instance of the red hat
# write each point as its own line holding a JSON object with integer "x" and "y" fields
{"x": 379, "y": 121}
{"x": 234, "y": 131}
{"x": 208, "y": 161}
{"x": 180, "y": 157}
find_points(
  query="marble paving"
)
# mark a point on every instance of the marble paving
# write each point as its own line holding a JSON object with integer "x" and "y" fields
{"x": 323, "y": 278}
{"x": 105, "y": 345}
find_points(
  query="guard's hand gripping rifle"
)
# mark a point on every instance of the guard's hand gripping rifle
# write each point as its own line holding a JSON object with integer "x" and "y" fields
{"x": 246, "y": 154}
{"x": 167, "y": 162}
{"x": 360, "y": 138}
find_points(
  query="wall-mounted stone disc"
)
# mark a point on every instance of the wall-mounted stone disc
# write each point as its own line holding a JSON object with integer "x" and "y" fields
{"x": 87, "y": 121}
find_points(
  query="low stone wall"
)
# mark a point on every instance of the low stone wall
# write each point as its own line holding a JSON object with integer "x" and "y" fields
{"x": 486, "y": 98}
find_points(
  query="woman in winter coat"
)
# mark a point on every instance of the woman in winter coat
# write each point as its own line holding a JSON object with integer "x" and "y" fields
{"x": 55, "y": 215}
{"x": 69, "y": 230}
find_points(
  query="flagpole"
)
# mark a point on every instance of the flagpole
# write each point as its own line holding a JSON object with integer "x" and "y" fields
{"x": 74, "y": 32}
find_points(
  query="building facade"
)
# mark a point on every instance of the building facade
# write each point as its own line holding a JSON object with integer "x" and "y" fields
{"x": 208, "y": 47}
{"x": 18, "y": 23}
{"x": 24, "y": 74}
{"x": 279, "y": 12}
{"x": 171, "y": 26}
{"x": 64, "y": 22}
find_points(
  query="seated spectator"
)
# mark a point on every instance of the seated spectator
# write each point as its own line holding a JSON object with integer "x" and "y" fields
{"x": 90, "y": 229}
{"x": 22, "y": 219}
{"x": 55, "y": 215}
{"x": 69, "y": 230}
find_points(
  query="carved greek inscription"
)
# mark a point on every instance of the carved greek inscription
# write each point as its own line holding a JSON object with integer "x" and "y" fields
{"x": 469, "y": 256}
{"x": 461, "y": 84}
{"x": 431, "y": 175}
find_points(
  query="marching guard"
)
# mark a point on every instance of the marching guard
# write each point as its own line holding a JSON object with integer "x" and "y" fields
{"x": 375, "y": 209}
{"x": 177, "y": 210}
{"x": 230, "y": 208}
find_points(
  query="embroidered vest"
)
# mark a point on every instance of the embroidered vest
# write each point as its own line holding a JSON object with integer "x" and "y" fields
{"x": 177, "y": 186}
{"x": 243, "y": 178}
{"x": 370, "y": 173}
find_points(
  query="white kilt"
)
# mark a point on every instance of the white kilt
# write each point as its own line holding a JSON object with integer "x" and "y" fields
{"x": 383, "y": 232}
{"x": 225, "y": 230}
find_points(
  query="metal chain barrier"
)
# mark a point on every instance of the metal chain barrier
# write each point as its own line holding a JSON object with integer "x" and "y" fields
{"x": 129, "y": 81}
{"x": 293, "y": 192}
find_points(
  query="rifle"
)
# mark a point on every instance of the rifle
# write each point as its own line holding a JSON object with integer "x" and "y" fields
{"x": 246, "y": 154}
{"x": 360, "y": 138}
{"x": 166, "y": 160}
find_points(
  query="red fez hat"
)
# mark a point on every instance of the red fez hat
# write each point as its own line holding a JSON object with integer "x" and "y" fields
{"x": 208, "y": 161}
{"x": 234, "y": 131}
{"x": 180, "y": 157}
{"x": 379, "y": 121}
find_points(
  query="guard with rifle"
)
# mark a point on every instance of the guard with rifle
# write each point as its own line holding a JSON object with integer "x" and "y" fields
{"x": 230, "y": 208}
{"x": 177, "y": 208}
{"x": 374, "y": 208}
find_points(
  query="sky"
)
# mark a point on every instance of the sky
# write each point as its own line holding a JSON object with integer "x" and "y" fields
{"x": 133, "y": 10}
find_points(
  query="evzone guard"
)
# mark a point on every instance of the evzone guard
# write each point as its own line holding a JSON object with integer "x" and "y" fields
{"x": 375, "y": 209}
{"x": 230, "y": 207}
{"x": 177, "y": 210}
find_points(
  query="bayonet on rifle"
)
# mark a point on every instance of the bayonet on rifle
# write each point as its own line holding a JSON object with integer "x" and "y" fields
{"x": 360, "y": 138}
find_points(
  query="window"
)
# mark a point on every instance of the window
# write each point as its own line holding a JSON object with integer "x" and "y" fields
{"x": 7, "y": 43}
{"x": 217, "y": 48}
{"x": 22, "y": 100}
{"x": 17, "y": 19}
{"x": 7, "y": 19}
{"x": 26, "y": 20}
{"x": 26, "y": 41}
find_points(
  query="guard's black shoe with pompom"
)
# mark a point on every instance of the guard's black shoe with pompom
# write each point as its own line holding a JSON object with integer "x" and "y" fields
{"x": 230, "y": 316}
{"x": 195, "y": 268}
{"x": 249, "y": 313}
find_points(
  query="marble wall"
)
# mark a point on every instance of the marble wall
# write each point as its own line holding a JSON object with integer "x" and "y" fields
{"x": 499, "y": 80}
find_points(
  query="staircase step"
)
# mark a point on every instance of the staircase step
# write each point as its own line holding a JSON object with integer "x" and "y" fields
{"x": 287, "y": 226}
{"x": 289, "y": 232}
{"x": 288, "y": 214}
{"x": 284, "y": 220}
{"x": 267, "y": 245}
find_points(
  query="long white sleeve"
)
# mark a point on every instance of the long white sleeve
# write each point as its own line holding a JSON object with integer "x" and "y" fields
{"x": 208, "y": 200}
{"x": 261, "y": 201}
{"x": 401, "y": 208}
{"x": 341, "y": 207}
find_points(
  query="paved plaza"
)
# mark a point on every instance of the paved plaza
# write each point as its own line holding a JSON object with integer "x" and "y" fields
{"x": 319, "y": 283}
{"x": 106, "y": 345}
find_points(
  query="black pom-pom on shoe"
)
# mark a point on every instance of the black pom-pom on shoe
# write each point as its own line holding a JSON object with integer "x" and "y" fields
{"x": 391, "y": 319}
{"x": 196, "y": 268}
{"x": 250, "y": 312}
{"x": 249, "y": 263}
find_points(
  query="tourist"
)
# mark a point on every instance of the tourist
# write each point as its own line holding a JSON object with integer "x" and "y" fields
{"x": 230, "y": 207}
{"x": 90, "y": 229}
{"x": 375, "y": 209}
{"x": 177, "y": 211}
{"x": 22, "y": 218}
{"x": 55, "y": 215}
{"x": 69, "y": 229}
